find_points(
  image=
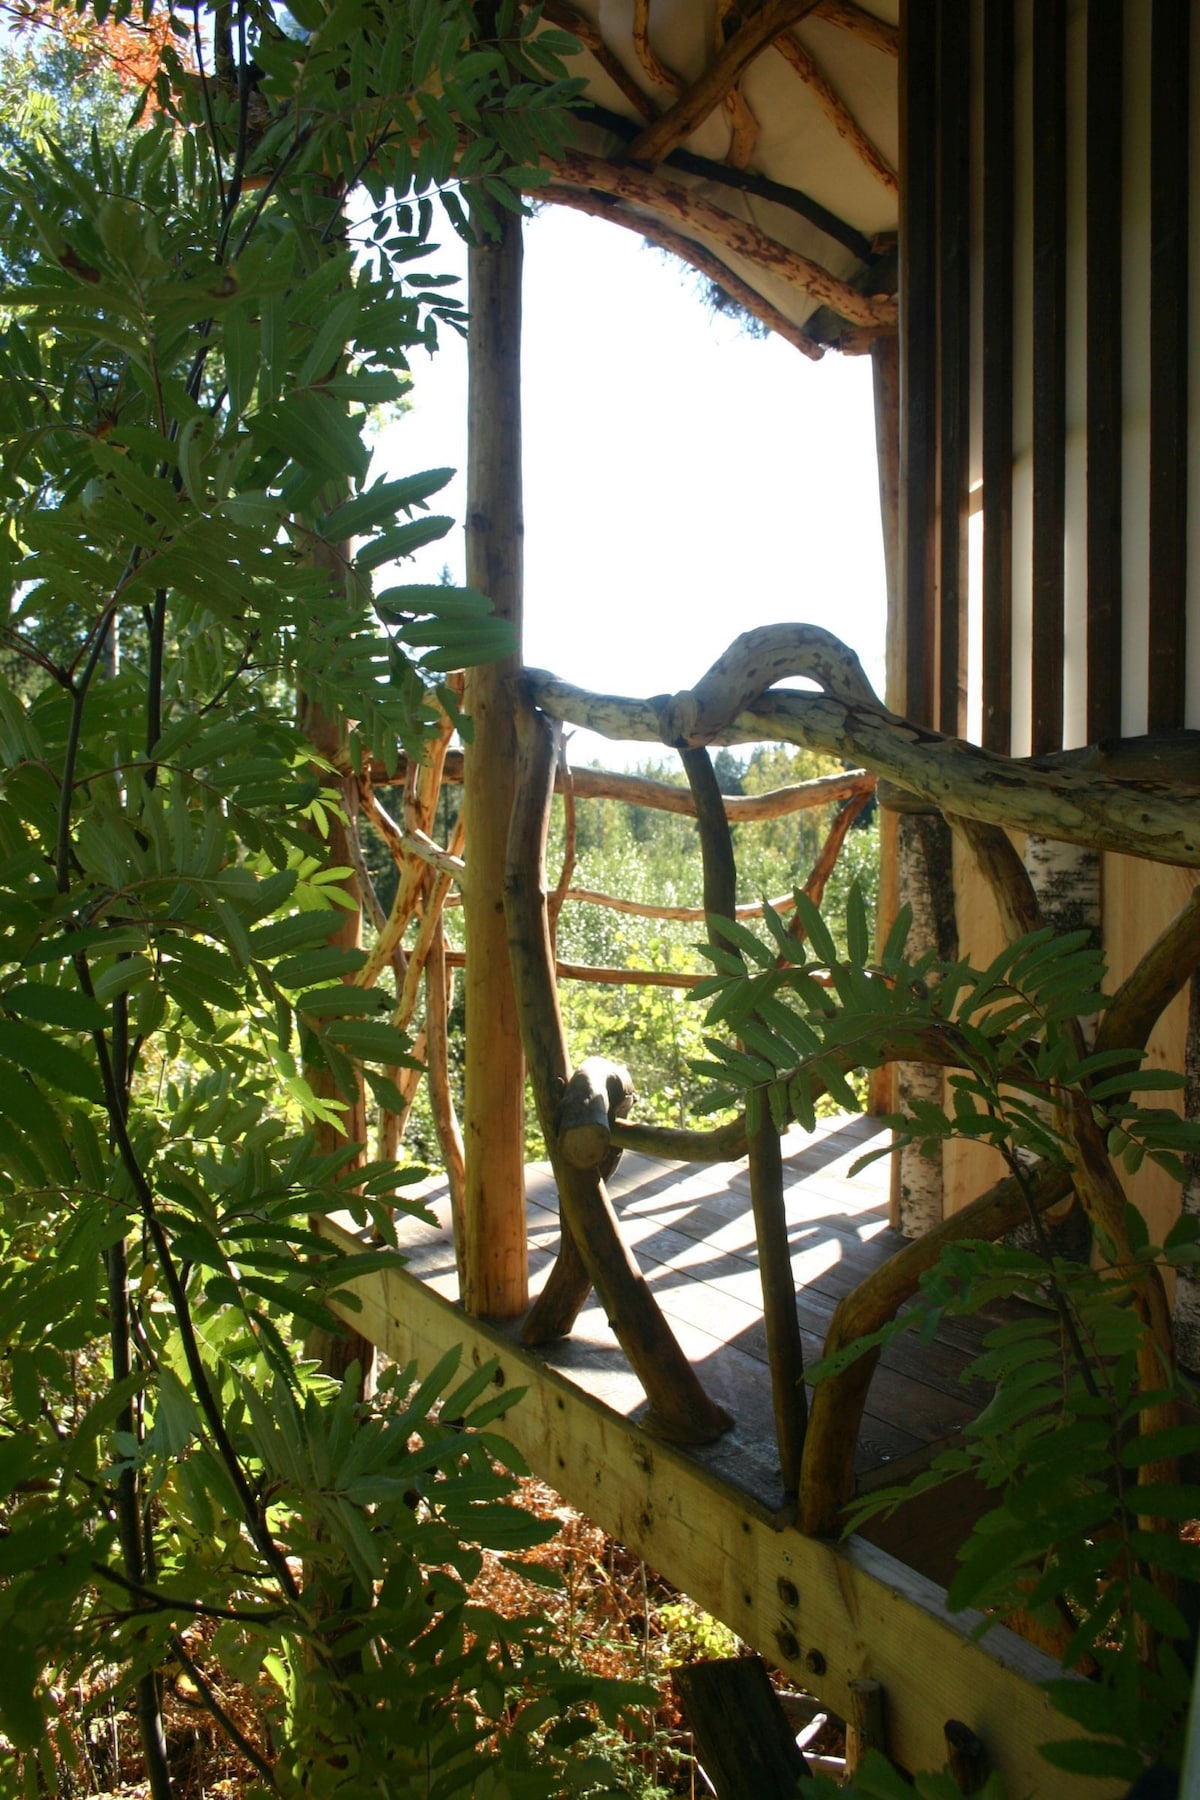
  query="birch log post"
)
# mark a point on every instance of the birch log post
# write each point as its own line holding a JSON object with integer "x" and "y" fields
{"x": 925, "y": 881}
{"x": 495, "y": 1259}
{"x": 781, "y": 1322}
{"x": 1066, "y": 882}
{"x": 441, "y": 1100}
{"x": 679, "y": 1409}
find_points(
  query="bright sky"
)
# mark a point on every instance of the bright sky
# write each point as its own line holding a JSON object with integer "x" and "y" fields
{"x": 683, "y": 481}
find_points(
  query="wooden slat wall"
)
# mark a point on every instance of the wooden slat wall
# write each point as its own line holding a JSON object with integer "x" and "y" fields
{"x": 954, "y": 329}
{"x": 1073, "y": 57}
{"x": 1105, "y": 29}
{"x": 1169, "y": 81}
{"x": 1049, "y": 365}
{"x": 918, "y": 363}
{"x": 997, "y": 357}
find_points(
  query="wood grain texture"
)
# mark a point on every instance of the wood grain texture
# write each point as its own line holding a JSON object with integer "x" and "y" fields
{"x": 864, "y": 1613}
{"x": 1169, "y": 335}
{"x": 1105, "y": 106}
{"x": 1049, "y": 368}
{"x": 997, "y": 357}
{"x": 493, "y": 1123}
{"x": 918, "y": 356}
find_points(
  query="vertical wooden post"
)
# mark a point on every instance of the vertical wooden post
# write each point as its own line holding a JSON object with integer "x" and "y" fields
{"x": 885, "y": 367}
{"x": 496, "y": 1281}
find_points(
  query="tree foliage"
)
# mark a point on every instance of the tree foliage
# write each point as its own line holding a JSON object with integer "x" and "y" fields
{"x": 192, "y": 340}
{"x": 1079, "y": 1444}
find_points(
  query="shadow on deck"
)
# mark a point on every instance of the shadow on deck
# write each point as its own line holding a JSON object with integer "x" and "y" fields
{"x": 711, "y": 1520}
{"x": 691, "y": 1230}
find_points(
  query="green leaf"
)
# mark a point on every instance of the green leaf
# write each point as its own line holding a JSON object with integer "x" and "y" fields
{"x": 40, "y": 1054}
{"x": 55, "y": 1006}
{"x": 380, "y": 502}
{"x": 815, "y": 929}
{"x": 404, "y": 540}
{"x": 1089, "y": 1756}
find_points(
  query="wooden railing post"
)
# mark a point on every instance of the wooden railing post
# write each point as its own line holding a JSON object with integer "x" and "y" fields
{"x": 495, "y": 1263}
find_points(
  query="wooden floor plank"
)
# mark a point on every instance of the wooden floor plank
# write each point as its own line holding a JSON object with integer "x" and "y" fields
{"x": 829, "y": 1614}
{"x": 691, "y": 1229}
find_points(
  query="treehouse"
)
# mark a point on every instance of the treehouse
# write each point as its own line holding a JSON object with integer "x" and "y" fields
{"x": 993, "y": 201}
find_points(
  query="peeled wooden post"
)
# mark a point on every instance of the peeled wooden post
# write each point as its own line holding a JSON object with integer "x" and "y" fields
{"x": 864, "y": 1721}
{"x": 680, "y": 1410}
{"x": 744, "y": 1742}
{"x": 496, "y": 1273}
{"x": 785, "y": 1355}
{"x": 441, "y": 1101}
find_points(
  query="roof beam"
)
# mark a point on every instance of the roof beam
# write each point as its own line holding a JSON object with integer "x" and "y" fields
{"x": 720, "y": 77}
{"x": 679, "y": 205}
{"x": 848, "y": 17}
{"x": 836, "y": 110}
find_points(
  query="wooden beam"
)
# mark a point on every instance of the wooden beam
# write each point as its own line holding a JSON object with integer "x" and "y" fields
{"x": 675, "y": 204}
{"x": 721, "y": 76}
{"x": 495, "y": 1260}
{"x": 997, "y": 353}
{"x": 1105, "y": 29}
{"x": 918, "y": 365}
{"x": 858, "y": 1612}
{"x": 861, "y": 24}
{"x": 1056, "y": 797}
{"x": 744, "y": 181}
{"x": 559, "y": 12}
{"x": 836, "y": 110}
{"x": 1170, "y": 80}
{"x": 643, "y": 790}
{"x": 1049, "y": 369}
{"x": 954, "y": 354}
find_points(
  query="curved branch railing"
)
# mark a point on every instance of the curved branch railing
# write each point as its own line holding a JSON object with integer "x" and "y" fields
{"x": 1141, "y": 798}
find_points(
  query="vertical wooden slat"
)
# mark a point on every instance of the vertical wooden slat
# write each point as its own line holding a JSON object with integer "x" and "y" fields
{"x": 1169, "y": 74}
{"x": 954, "y": 327}
{"x": 997, "y": 276}
{"x": 1104, "y": 135}
{"x": 918, "y": 369}
{"x": 1049, "y": 367}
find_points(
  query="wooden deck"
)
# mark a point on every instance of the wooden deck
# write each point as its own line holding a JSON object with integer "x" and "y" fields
{"x": 691, "y": 1229}
{"x": 711, "y": 1520}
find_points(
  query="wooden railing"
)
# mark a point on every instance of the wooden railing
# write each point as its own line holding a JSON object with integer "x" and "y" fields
{"x": 1086, "y": 796}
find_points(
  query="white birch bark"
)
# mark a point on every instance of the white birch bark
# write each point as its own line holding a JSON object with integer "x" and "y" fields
{"x": 925, "y": 882}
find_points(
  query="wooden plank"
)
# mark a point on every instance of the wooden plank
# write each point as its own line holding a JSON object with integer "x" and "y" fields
{"x": 997, "y": 353}
{"x": 1169, "y": 153}
{"x": 856, "y": 1613}
{"x": 954, "y": 353}
{"x": 1049, "y": 368}
{"x": 918, "y": 364}
{"x": 1105, "y": 28}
